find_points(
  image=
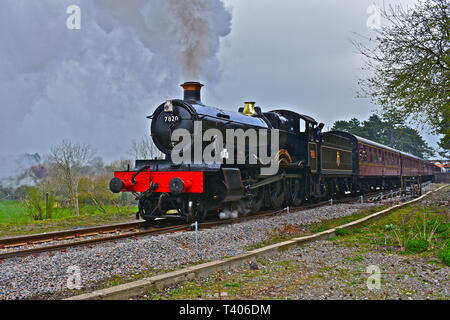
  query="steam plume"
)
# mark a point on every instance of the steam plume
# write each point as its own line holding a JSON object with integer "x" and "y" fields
{"x": 97, "y": 84}
{"x": 186, "y": 32}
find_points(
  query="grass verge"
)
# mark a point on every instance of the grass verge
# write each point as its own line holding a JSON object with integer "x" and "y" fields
{"x": 288, "y": 232}
{"x": 15, "y": 221}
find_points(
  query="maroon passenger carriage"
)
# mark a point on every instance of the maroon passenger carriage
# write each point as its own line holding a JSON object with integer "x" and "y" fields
{"x": 376, "y": 165}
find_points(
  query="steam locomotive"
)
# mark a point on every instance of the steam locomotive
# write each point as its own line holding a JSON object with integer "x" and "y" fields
{"x": 306, "y": 170}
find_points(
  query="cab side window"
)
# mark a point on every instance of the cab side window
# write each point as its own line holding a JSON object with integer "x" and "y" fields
{"x": 302, "y": 126}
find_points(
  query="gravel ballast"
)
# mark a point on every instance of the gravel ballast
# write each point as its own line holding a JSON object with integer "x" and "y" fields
{"x": 23, "y": 277}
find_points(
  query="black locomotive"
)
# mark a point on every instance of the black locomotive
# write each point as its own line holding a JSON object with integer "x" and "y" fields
{"x": 191, "y": 189}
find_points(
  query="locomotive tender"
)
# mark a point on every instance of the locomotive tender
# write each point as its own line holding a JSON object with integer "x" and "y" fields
{"x": 306, "y": 171}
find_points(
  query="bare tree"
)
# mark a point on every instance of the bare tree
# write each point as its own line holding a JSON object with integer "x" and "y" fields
{"x": 70, "y": 160}
{"x": 145, "y": 149}
{"x": 118, "y": 165}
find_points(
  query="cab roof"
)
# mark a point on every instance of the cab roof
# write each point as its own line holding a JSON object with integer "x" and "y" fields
{"x": 291, "y": 114}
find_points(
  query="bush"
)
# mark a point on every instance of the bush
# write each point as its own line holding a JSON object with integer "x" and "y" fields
{"x": 446, "y": 243}
{"x": 442, "y": 228}
{"x": 341, "y": 232}
{"x": 444, "y": 235}
{"x": 417, "y": 245}
{"x": 35, "y": 204}
{"x": 444, "y": 255}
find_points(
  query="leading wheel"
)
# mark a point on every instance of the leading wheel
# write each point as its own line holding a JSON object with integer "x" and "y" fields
{"x": 147, "y": 209}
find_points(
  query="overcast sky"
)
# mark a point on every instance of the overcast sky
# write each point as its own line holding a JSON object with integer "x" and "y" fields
{"x": 96, "y": 85}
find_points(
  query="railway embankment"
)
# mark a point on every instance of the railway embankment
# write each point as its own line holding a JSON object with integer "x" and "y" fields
{"x": 403, "y": 256}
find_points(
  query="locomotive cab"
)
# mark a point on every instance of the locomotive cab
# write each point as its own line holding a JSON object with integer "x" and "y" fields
{"x": 300, "y": 135}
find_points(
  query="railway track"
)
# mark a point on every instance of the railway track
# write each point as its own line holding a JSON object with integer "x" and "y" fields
{"x": 60, "y": 240}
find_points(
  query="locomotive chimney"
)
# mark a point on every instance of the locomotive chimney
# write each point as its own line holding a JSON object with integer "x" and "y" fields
{"x": 192, "y": 91}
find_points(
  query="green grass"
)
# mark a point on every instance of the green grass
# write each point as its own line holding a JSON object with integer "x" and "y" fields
{"x": 444, "y": 255}
{"x": 15, "y": 213}
{"x": 15, "y": 220}
{"x": 325, "y": 225}
{"x": 288, "y": 232}
{"x": 412, "y": 230}
{"x": 12, "y": 212}
{"x": 247, "y": 283}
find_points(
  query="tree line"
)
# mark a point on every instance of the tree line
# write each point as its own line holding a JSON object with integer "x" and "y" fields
{"x": 400, "y": 137}
{"x": 409, "y": 67}
{"x": 71, "y": 175}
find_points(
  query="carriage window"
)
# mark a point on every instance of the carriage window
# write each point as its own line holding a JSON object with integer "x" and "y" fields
{"x": 370, "y": 155}
{"x": 302, "y": 125}
{"x": 362, "y": 153}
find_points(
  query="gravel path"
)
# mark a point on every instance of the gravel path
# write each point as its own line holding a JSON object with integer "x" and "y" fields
{"x": 342, "y": 275}
{"x": 311, "y": 272}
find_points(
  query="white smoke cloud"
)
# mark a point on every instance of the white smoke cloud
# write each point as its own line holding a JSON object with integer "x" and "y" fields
{"x": 97, "y": 84}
